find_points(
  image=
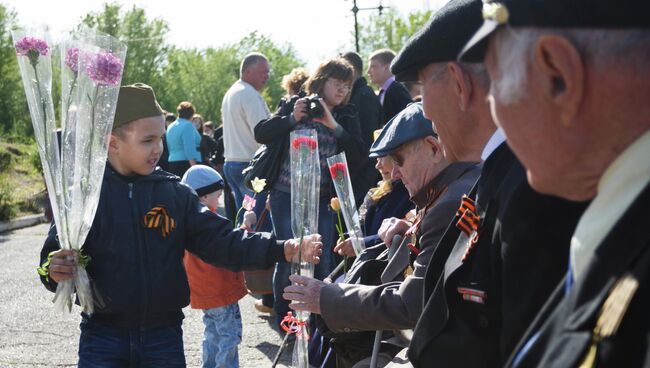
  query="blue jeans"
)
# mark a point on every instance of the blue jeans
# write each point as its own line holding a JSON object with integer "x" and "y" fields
{"x": 222, "y": 334}
{"x": 281, "y": 217}
{"x": 232, "y": 171}
{"x": 107, "y": 347}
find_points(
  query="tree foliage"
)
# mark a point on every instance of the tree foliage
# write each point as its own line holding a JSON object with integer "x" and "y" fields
{"x": 389, "y": 30}
{"x": 201, "y": 76}
{"x": 14, "y": 114}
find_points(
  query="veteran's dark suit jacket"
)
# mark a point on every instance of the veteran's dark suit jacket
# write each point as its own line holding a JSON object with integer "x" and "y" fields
{"x": 397, "y": 305}
{"x": 565, "y": 325}
{"x": 520, "y": 256}
{"x": 396, "y": 98}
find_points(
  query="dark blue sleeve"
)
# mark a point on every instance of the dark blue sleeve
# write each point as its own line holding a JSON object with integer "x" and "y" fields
{"x": 212, "y": 238}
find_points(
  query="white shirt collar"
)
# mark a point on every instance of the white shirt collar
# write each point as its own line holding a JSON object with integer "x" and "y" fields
{"x": 495, "y": 141}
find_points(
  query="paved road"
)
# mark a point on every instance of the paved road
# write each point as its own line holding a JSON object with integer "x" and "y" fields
{"x": 33, "y": 334}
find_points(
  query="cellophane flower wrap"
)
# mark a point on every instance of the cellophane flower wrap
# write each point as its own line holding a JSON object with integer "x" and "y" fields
{"x": 305, "y": 192}
{"x": 91, "y": 71}
{"x": 338, "y": 166}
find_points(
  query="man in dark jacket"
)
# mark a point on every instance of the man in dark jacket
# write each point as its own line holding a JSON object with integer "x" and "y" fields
{"x": 369, "y": 110}
{"x": 145, "y": 220}
{"x": 581, "y": 98}
{"x": 436, "y": 188}
{"x": 393, "y": 96}
{"x": 495, "y": 268}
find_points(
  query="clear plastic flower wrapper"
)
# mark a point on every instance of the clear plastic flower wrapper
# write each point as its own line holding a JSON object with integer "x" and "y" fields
{"x": 91, "y": 72}
{"x": 338, "y": 166}
{"x": 305, "y": 191}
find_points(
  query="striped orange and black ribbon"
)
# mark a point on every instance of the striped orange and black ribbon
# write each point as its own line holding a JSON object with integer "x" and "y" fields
{"x": 467, "y": 219}
{"x": 158, "y": 218}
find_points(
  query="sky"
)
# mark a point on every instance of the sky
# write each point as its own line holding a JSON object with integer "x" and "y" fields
{"x": 317, "y": 29}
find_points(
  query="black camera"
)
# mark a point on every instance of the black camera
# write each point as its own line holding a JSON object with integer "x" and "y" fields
{"x": 314, "y": 107}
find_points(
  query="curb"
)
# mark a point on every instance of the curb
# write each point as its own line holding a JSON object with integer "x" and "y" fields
{"x": 22, "y": 222}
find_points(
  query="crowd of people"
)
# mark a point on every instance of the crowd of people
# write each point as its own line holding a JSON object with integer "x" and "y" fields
{"x": 500, "y": 169}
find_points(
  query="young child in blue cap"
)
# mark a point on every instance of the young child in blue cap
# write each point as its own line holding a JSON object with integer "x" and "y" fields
{"x": 214, "y": 290}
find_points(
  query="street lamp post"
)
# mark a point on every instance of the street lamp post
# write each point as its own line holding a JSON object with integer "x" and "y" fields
{"x": 355, "y": 9}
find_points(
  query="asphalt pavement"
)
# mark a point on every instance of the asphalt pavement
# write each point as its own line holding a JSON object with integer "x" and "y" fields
{"x": 34, "y": 334}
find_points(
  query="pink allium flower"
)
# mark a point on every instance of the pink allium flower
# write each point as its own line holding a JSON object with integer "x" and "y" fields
{"x": 72, "y": 59}
{"x": 104, "y": 68}
{"x": 27, "y": 44}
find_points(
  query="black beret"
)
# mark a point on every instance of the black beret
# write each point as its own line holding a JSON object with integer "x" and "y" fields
{"x": 596, "y": 14}
{"x": 135, "y": 101}
{"x": 407, "y": 125}
{"x": 440, "y": 40}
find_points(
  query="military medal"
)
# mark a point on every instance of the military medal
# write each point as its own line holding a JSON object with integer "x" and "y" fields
{"x": 468, "y": 223}
{"x": 611, "y": 315}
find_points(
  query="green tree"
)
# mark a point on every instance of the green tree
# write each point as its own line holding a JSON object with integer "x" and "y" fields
{"x": 145, "y": 38}
{"x": 203, "y": 76}
{"x": 14, "y": 114}
{"x": 389, "y": 30}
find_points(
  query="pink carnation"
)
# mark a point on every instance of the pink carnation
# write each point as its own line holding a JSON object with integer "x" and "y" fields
{"x": 104, "y": 68}
{"x": 27, "y": 44}
{"x": 72, "y": 59}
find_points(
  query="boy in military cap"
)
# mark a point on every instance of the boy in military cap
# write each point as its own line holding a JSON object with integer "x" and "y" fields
{"x": 145, "y": 219}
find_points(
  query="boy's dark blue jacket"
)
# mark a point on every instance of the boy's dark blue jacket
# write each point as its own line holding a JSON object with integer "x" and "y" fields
{"x": 137, "y": 272}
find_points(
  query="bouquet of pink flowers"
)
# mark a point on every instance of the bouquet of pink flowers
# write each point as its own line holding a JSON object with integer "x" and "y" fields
{"x": 339, "y": 171}
{"x": 91, "y": 71}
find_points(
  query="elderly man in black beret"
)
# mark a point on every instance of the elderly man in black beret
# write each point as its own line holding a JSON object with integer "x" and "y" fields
{"x": 436, "y": 188}
{"x": 494, "y": 269}
{"x": 570, "y": 87}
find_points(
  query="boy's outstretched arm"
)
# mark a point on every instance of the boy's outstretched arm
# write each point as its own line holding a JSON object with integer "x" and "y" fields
{"x": 212, "y": 238}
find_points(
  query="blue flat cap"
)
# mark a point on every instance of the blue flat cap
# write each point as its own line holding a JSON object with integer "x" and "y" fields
{"x": 406, "y": 126}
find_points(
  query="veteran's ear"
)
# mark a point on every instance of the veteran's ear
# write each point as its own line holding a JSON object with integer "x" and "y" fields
{"x": 462, "y": 85}
{"x": 560, "y": 68}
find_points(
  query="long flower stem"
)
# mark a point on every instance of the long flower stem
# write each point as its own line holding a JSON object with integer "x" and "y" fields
{"x": 91, "y": 140}
{"x": 43, "y": 106}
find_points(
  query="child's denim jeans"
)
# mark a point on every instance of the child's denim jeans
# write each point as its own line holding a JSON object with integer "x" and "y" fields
{"x": 104, "y": 346}
{"x": 222, "y": 335}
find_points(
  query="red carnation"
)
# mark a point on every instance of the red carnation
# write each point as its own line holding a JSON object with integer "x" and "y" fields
{"x": 304, "y": 141}
{"x": 336, "y": 169}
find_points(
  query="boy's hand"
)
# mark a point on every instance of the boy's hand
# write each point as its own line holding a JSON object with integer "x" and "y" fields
{"x": 62, "y": 265}
{"x": 312, "y": 248}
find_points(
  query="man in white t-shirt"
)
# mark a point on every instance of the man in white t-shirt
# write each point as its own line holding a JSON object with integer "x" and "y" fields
{"x": 242, "y": 108}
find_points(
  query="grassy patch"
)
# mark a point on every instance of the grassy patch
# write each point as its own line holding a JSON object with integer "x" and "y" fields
{"x": 22, "y": 189}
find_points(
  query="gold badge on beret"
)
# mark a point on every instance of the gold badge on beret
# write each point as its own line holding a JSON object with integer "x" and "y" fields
{"x": 496, "y": 12}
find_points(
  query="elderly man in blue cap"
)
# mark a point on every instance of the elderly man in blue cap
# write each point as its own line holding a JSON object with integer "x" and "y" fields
{"x": 436, "y": 188}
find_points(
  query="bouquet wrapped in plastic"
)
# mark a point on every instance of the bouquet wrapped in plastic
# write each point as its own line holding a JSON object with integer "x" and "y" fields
{"x": 305, "y": 190}
{"x": 340, "y": 176}
{"x": 91, "y": 72}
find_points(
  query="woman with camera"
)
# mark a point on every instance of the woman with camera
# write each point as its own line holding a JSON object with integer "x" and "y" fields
{"x": 336, "y": 122}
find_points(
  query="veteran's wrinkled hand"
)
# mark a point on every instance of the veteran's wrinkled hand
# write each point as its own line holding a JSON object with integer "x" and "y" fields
{"x": 391, "y": 227}
{"x": 304, "y": 293}
{"x": 345, "y": 248}
{"x": 312, "y": 248}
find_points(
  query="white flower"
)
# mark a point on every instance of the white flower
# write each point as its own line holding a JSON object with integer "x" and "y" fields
{"x": 258, "y": 184}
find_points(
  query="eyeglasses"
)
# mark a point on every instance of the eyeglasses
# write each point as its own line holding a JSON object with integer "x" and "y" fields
{"x": 339, "y": 85}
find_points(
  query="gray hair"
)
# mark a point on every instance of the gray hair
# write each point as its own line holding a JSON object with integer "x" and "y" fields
{"x": 601, "y": 49}
{"x": 250, "y": 60}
